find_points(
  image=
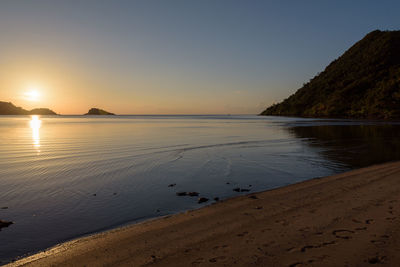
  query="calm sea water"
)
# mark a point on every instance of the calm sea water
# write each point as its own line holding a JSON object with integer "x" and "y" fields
{"x": 63, "y": 177}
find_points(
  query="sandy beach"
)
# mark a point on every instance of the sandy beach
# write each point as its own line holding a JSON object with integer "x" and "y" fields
{"x": 350, "y": 219}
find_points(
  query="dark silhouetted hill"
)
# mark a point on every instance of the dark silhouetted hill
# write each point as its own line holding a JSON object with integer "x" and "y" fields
{"x": 42, "y": 111}
{"x": 7, "y": 108}
{"x": 362, "y": 83}
{"x": 97, "y": 111}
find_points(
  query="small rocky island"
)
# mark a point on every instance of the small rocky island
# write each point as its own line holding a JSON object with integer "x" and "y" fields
{"x": 97, "y": 111}
{"x": 363, "y": 83}
{"x": 8, "y": 108}
{"x": 42, "y": 111}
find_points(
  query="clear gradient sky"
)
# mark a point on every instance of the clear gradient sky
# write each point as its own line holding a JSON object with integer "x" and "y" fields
{"x": 174, "y": 57}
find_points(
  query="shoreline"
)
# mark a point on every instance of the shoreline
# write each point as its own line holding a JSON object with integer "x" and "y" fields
{"x": 345, "y": 219}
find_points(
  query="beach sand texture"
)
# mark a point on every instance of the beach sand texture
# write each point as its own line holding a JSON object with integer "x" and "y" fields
{"x": 349, "y": 219}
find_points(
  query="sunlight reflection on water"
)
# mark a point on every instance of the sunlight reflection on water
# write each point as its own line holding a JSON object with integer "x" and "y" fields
{"x": 35, "y": 124}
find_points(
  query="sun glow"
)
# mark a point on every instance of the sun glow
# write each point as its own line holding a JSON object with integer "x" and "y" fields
{"x": 35, "y": 124}
{"x": 32, "y": 95}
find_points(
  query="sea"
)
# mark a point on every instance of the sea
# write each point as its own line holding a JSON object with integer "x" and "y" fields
{"x": 64, "y": 177}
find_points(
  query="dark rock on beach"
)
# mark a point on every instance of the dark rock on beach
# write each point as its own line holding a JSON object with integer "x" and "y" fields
{"x": 4, "y": 224}
{"x": 202, "y": 200}
{"x": 237, "y": 189}
{"x": 190, "y": 194}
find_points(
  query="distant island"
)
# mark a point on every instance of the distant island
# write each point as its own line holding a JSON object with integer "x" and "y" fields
{"x": 7, "y": 108}
{"x": 362, "y": 83}
{"x": 42, "y": 111}
{"x": 97, "y": 111}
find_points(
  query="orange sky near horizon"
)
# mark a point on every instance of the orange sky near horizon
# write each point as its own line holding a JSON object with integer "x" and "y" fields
{"x": 66, "y": 95}
{"x": 66, "y": 89}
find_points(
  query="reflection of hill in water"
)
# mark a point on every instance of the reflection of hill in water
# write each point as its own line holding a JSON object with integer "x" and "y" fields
{"x": 353, "y": 145}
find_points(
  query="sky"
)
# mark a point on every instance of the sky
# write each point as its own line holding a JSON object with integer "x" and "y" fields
{"x": 174, "y": 57}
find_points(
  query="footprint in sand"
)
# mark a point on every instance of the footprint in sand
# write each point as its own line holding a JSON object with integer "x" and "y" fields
{"x": 369, "y": 221}
{"x": 390, "y": 211}
{"x": 198, "y": 261}
{"x": 153, "y": 258}
{"x": 381, "y": 241}
{"x": 268, "y": 244}
{"x": 296, "y": 264}
{"x": 377, "y": 260}
{"x": 242, "y": 234}
{"x": 360, "y": 228}
{"x": 219, "y": 258}
{"x": 303, "y": 249}
{"x": 342, "y": 233}
{"x": 220, "y": 247}
{"x": 282, "y": 222}
{"x": 324, "y": 244}
{"x": 304, "y": 229}
{"x": 378, "y": 243}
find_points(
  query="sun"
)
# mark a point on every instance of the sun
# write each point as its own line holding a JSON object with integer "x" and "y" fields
{"x": 32, "y": 94}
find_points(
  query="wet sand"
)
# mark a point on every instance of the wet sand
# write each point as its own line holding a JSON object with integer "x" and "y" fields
{"x": 350, "y": 219}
